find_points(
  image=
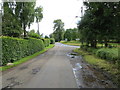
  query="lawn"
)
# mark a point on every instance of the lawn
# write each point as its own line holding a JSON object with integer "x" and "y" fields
{"x": 75, "y": 43}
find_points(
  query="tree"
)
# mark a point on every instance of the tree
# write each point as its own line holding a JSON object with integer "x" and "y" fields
{"x": 68, "y": 35}
{"x": 39, "y": 16}
{"x": 25, "y": 13}
{"x": 58, "y": 29}
{"x": 17, "y": 16}
{"x": 10, "y": 23}
{"x": 99, "y": 22}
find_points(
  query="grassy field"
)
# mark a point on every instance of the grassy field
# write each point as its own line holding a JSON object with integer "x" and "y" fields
{"x": 3, "y": 68}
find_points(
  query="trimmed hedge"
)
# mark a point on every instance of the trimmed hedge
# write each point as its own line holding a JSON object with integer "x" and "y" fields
{"x": 14, "y": 49}
{"x": 52, "y": 41}
{"x": 46, "y": 42}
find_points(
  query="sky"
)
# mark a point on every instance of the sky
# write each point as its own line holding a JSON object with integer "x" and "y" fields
{"x": 66, "y": 10}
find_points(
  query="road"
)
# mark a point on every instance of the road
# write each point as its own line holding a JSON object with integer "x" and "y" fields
{"x": 59, "y": 67}
{"x": 49, "y": 70}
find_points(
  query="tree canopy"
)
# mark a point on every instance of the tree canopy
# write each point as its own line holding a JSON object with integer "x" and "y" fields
{"x": 19, "y": 15}
{"x": 58, "y": 30}
{"x": 100, "y": 23}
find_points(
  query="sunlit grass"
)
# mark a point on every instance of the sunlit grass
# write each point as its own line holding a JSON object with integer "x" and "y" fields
{"x": 75, "y": 43}
{"x": 3, "y": 68}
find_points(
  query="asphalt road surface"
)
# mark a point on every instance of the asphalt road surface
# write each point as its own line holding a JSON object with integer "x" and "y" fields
{"x": 49, "y": 70}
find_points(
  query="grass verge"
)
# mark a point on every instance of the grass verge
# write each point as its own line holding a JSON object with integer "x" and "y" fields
{"x": 3, "y": 68}
{"x": 102, "y": 64}
{"x": 74, "y": 43}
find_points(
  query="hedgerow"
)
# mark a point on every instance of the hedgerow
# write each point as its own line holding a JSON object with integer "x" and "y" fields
{"x": 52, "y": 41}
{"x": 46, "y": 42}
{"x": 14, "y": 49}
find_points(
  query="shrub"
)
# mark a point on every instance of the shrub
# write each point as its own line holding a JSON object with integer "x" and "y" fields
{"x": 46, "y": 42}
{"x": 14, "y": 49}
{"x": 34, "y": 35}
{"x": 110, "y": 54}
{"x": 52, "y": 41}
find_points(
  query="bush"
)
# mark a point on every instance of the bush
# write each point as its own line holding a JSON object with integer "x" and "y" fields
{"x": 46, "y": 42}
{"x": 14, "y": 49}
{"x": 52, "y": 41}
{"x": 89, "y": 49}
{"x": 34, "y": 35}
{"x": 110, "y": 54}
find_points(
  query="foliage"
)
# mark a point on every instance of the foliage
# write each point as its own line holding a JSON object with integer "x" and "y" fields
{"x": 58, "y": 30}
{"x": 46, "y": 36}
{"x": 110, "y": 54}
{"x": 71, "y": 34}
{"x": 39, "y": 16}
{"x": 46, "y": 42}
{"x": 26, "y": 58}
{"x": 19, "y": 15}
{"x": 26, "y": 13}
{"x": 102, "y": 64}
{"x": 33, "y": 34}
{"x": 10, "y": 23}
{"x": 52, "y": 41}
{"x": 14, "y": 49}
{"x": 97, "y": 26}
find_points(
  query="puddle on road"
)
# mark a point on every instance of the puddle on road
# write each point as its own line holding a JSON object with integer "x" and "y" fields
{"x": 72, "y": 55}
{"x": 60, "y": 44}
{"x": 35, "y": 70}
{"x": 86, "y": 76}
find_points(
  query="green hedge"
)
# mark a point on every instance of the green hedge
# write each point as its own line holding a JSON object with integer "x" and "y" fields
{"x": 46, "y": 42}
{"x": 52, "y": 41}
{"x": 110, "y": 54}
{"x": 14, "y": 49}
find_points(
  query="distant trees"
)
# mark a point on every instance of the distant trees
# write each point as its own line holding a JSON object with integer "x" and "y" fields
{"x": 19, "y": 15}
{"x": 100, "y": 23}
{"x": 58, "y": 30}
{"x": 71, "y": 34}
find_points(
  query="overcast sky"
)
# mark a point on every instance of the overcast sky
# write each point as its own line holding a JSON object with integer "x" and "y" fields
{"x": 66, "y": 10}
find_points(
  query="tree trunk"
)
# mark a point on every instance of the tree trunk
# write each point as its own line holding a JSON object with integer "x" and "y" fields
{"x": 94, "y": 43}
{"x": 38, "y": 26}
{"x": 106, "y": 43}
{"x": 24, "y": 30}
